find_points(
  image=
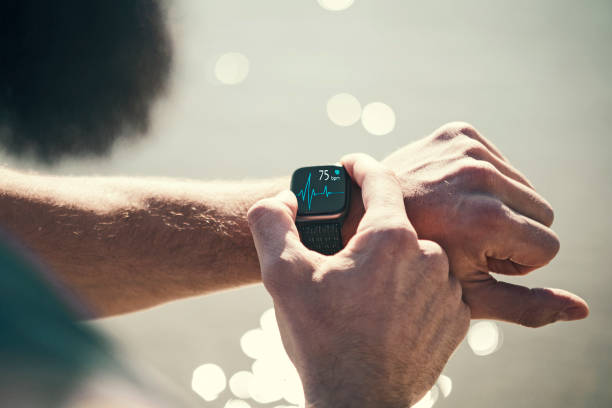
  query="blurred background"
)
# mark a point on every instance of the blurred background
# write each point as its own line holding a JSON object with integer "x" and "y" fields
{"x": 260, "y": 88}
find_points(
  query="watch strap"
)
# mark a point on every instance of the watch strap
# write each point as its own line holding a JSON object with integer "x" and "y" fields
{"x": 324, "y": 237}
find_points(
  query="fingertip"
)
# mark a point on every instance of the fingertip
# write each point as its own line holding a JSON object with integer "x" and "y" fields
{"x": 534, "y": 307}
{"x": 358, "y": 165}
{"x": 576, "y": 309}
{"x": 349, "y": 160}
{"x": 549, "y": 213}
{"x": 574, "y": 313}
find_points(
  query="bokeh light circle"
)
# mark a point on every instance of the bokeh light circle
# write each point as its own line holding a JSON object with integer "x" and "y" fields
{"x": 484, "y": 337}
{"x": 239, "y": 383}
{"x": 429, "y": 399}
{"x": 208, "y": 381}
{"x": 253, "y": 343}
{"x": 445, "y": 385}
{"x": 378, "y": 118}
{"x": 264, "y": 388}
{"x": 232, "y": 68}
{"x": 343, "y": 109}
{"x": 267, "y": 321}
{"x": 237, "y": 403}
{"x": 336, "y": 5}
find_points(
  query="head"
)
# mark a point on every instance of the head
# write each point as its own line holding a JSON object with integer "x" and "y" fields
{"x": 76, "y": 75}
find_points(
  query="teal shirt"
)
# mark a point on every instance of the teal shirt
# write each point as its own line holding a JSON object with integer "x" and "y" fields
{"x": 43, "y": 348}
{"x": 46, "y": 353}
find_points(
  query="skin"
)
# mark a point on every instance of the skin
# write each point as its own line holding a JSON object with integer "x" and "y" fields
{"x": 464, "y": 194}
{"x": 373, "y": 325}
{"x": 123, "y": 244}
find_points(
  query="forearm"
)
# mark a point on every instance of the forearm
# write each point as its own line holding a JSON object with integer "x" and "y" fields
{"x": 124, "y": 244}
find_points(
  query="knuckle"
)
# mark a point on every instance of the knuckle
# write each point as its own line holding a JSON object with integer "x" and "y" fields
{"x": 480, "y": 172}
{"x": 531, "y": 318}
{"x": 466, "y": 129}
{"x": 529, "y": 315}
{"x": 490, "y": 213}
{"x": 262, "y": 209}
{"x": 454, "y": 129}
{"x": 475, "y": 149}
{"x": 392, "y": 236}
{"x": 435, "y": 258}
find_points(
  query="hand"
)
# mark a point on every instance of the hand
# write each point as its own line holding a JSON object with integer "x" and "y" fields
{"x": 374, "y": 324}
{"x": 462, "y": 193}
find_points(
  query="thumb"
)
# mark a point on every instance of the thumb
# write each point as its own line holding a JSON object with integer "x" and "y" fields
{"x": 518, "y": 304}
{"x": 272, "y": 223}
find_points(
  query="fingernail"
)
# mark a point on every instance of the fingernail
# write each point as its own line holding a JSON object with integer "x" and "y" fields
{"x": 572, "y": 313}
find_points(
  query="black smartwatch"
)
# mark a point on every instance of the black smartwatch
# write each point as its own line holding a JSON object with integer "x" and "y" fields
{"x": 324, "y": 196}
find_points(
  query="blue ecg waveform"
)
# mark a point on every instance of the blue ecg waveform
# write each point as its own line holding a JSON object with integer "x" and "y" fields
{"x": 306, "y": 194}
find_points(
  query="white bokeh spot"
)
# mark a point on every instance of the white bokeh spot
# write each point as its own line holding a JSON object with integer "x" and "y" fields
{"x": 445, "y": 385}
{"x": 273, "y": 376}
{"x": 232, "y": 68}
{"x": 336, "y": 5}
{"x": 237, "y": 403}
{"x": 378, "y": 118}
{"x": 484, "y": 337}
{"x": 343, "y": 109}
{"x": 253, "y": 343}
{"x": 239, "y": 384}
{"x": 429, "y": 399}
{"x": 208, "y": 381}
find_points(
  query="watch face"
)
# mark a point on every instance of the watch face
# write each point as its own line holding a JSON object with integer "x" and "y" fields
{"x": 321, "y": 190}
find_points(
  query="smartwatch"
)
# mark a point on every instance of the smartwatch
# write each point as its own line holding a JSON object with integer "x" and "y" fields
{"x": 324, "y": 195}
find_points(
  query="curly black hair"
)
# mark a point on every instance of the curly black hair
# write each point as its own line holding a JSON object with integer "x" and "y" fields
{"x": 75, "y": 75}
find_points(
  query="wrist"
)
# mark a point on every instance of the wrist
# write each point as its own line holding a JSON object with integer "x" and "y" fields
{"x": 364, "y": 396}
{"x": 361, "y": 386}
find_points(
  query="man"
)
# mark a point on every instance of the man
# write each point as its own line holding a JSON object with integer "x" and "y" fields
{"x": 122, "y": 244}
{"x": 115, "y": 245}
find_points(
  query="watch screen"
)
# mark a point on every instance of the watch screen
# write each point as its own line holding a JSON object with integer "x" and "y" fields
{"x": 320, "y": 190}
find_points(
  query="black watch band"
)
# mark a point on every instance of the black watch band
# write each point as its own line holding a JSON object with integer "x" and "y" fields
{"x": 321, "y": 236}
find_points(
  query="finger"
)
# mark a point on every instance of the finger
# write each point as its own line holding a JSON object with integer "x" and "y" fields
{"x": 272, "y": 223}
{"x": 508, "y": 267}
{"x": 511, "y": 236}
{"x": 472, "y": 133}
{"x": 515, "y": 195}
{"x": 380, "y": 190}
{"x": 480, "y": 152}
{"x": 518, "y": 304}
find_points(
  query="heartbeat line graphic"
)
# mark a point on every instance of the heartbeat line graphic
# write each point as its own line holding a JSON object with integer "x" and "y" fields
{"x": 307, "y": 195}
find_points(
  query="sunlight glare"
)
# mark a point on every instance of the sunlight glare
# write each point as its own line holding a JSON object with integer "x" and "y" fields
{"x": 239, "y": 383}
{"x": 208, "y": 381}
{"x": 253, "y": 343}
{"x": 343, "y": 109}
{"x": 484, "y": 337}
{"x": 237, "y": 403}
{"x": 336, "y": 5}
{"x": 378, "y": 118}
{"x": 232, "y": 68}
{"x": 445, "y": 384}
{"x": 429, "y": 399}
